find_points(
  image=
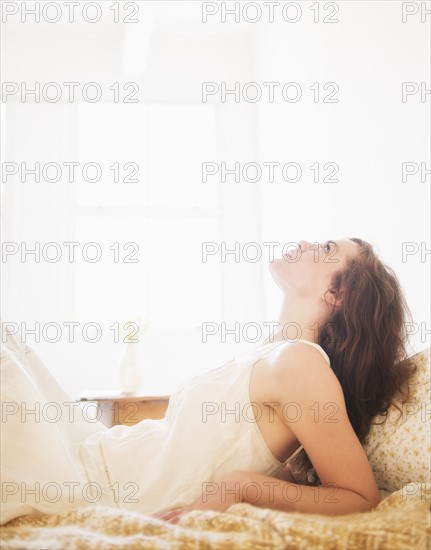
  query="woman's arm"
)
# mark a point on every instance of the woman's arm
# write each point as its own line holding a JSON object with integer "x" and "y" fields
{"x": 299, "y": 374}
{"x": 269, "y": 492}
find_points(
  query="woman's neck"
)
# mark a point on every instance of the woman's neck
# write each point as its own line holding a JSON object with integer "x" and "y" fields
{"x": 297, "y": 321}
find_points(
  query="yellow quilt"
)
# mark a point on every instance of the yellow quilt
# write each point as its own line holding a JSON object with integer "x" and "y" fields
{"x": 398, "y": 522}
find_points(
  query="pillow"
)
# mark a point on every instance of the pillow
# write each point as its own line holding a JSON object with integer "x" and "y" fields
{"x": 399, "y": 449}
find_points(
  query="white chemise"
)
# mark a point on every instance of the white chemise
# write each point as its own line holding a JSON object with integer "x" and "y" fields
{"x": 58, "y": 460}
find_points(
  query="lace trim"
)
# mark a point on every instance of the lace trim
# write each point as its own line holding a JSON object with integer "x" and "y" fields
{"x": 106, "y": 472}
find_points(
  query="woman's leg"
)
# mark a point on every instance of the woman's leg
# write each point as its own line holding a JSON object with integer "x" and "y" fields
{"x": 41, "y": 427}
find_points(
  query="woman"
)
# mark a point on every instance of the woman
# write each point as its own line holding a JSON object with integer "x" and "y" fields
{"x": 229, "y": 433}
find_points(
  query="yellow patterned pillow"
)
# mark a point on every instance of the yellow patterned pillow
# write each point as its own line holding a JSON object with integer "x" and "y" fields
{"x": 399, "y": 450}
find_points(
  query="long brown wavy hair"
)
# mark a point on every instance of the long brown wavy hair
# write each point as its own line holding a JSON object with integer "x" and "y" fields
{"x": 365, "y": 340}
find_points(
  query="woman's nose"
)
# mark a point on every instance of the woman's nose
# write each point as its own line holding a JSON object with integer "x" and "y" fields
{"x": 303, "y": 245}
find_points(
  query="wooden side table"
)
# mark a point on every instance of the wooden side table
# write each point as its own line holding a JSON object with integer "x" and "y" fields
{"x": 129, "y": 409}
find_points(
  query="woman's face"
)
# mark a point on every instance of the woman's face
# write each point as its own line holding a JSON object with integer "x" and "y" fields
{"x": 309, "y": 268}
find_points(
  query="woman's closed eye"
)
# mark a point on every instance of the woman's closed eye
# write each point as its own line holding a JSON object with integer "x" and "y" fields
{"x": 328, "y": 246}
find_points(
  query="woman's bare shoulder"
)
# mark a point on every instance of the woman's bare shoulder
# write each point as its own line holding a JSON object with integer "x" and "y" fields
{"x": 298, "y": 363}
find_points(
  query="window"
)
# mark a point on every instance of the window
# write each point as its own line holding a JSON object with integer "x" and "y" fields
{"x": 148, "y": 214}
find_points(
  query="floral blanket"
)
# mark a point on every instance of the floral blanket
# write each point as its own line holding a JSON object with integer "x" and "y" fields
{"x": 400, "y": 521}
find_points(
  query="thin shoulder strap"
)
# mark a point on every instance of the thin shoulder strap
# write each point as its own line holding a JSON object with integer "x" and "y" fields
{"x": 322, "y": 351}
{"x": 295, "y": 452}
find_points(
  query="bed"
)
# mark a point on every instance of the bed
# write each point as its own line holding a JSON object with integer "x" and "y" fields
{"x": 399, "y": 453}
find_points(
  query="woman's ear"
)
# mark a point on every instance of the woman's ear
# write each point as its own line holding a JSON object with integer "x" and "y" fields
{"x": 333, "y": 298}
